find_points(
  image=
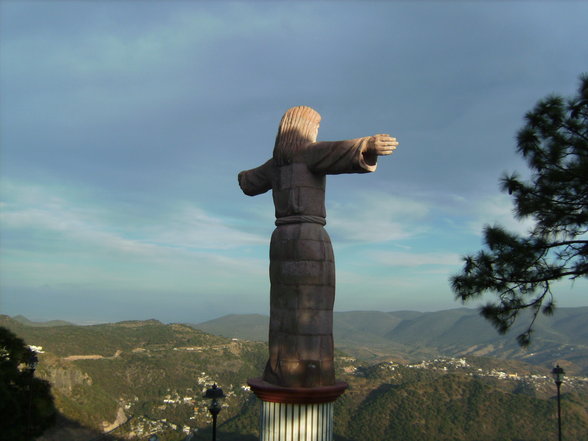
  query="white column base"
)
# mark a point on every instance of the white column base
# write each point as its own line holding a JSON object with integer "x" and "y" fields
{"x": 296, "y": 422}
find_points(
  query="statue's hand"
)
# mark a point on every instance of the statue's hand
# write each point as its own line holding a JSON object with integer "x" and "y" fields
{"x": 382, "y": 144}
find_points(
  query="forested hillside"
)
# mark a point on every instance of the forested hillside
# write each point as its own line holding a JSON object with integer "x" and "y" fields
{"x": 411, "y": 336}
{"x": 139, "y": 378}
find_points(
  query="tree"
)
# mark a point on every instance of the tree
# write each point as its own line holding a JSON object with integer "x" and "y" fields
{"x": 26, "y": 404}
{"x": 520, "y": 270}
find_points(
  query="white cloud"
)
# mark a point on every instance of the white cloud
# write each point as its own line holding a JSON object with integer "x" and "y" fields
{"x": 52, "y": 239}
{"x": 34, "y": 209}
{"x": 190, "y": 228}
{"x": 497, "y": 209}
{"x": 402, "y": 258}
{"x": 376, "y": 217}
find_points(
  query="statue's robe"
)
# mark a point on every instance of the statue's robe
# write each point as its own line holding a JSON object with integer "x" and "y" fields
{"x": 302, "y": 266}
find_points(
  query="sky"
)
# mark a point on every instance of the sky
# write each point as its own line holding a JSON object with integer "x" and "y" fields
{"x": 123, "y": 126}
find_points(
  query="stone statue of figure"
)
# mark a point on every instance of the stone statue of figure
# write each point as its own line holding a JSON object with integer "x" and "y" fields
{"x": 302, "y": 267}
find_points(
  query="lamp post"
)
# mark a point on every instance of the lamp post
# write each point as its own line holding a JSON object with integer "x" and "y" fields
{"x": 558, "y": 374}
{"x": 32, "y": 364}
{"x": 215, "y": 393}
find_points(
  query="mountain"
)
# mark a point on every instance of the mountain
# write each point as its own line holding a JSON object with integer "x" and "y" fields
{"x": 248, "y": 326}
{"x": 138, "y": 378}
{"x": 411, "y": 335}
{"x": 144, "y": 376}
{"x": 25, "y": 321}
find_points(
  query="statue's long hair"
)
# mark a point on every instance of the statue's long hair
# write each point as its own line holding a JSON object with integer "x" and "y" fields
{"x": 297, "y": 129}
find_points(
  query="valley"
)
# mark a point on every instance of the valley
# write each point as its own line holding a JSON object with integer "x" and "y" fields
{"x": 134, "y": 379}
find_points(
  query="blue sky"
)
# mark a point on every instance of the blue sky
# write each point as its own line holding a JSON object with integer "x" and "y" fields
{"x": 123, "y": 126}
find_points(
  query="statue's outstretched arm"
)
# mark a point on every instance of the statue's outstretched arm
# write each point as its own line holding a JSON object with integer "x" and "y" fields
{"x": 257, "y": 180}
{"x": 378, "y": 145}
{"x": 381, "y": 145}
{"x": 358, "y": 155}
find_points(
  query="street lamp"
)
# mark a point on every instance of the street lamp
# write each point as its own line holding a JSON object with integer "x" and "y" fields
{"x": 215, "y": 393}
{"x": 558, "y": 375}
{"x": 32, "y": 364}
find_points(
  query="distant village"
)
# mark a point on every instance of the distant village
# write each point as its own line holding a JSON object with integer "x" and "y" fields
{"x": 449, "y": 364}
{"x": 143, "y": 426}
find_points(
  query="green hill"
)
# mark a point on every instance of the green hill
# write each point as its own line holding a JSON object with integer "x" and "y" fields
{"x": 453, "y": 407}
{"x": 247, "y": 326}
{"x": 25, "y": 321}
{"x": 102, "y": 371}
{"x": 147, "y": 377}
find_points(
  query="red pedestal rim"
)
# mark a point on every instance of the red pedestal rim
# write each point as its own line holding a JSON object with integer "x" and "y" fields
{"x": 296, "y": 395}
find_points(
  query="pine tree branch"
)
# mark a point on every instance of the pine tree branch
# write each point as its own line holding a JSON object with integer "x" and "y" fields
{"x": 567, "y": 242}
{"x": 537, "y": 195}
{"x": 576, "y": 132}
{"x": 538, "y": 280}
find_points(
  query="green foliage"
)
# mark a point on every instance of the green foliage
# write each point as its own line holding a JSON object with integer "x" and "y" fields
{"x": 449, "y": 407}
{"x": 385, "y": 401}
{"x": 520, "y": 270}
{"x": 138, "y": 364}
{"x": 26, "y": 404}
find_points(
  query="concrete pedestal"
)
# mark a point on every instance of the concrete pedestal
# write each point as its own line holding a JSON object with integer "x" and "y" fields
{"x": 296, "y": 414}
{"x": 296, "y": 422}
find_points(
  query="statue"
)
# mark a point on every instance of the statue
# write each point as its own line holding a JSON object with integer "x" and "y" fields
{"x": 302, "y": 266}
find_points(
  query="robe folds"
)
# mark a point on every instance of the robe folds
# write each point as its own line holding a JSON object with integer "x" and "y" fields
{"x": 302, "y": 265}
